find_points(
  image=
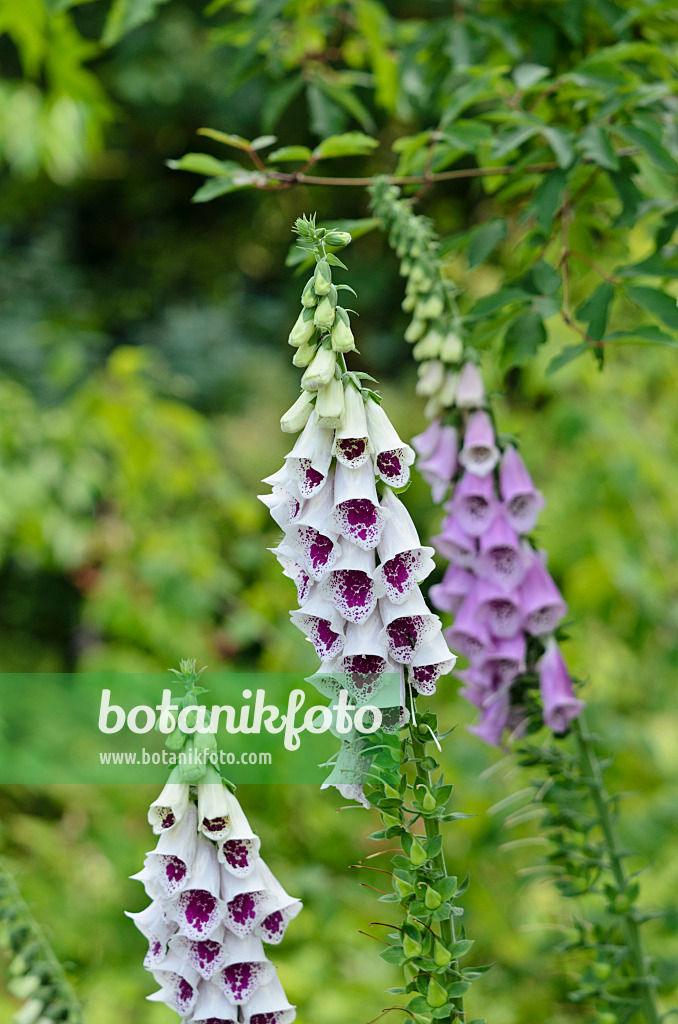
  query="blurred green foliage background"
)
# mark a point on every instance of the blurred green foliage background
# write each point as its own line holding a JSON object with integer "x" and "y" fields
{"x": 143, "y": 370}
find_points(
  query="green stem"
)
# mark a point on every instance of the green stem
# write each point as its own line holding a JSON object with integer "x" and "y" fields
{"x": 432, "y": 826}
{"x": 593, "y": 776}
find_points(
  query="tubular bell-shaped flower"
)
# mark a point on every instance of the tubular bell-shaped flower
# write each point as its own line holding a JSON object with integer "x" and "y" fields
{"x": 355, "y": 542}
{"x": 213, "y": 902}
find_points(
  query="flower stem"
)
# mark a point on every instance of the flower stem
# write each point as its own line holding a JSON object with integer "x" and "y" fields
{"x": 593, "y": 777}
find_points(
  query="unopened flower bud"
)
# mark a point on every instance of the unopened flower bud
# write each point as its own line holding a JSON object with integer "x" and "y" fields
{"x": 418, "y": 854}
{"x": 428, "y": 347}
{"x": 431, "y": 378}
{"x": 308, "y": 296}
{"x": 304, "y": 355}
{"x": 175, "y": 741}
{"x": 302, "y": 332}
{"x": 403, "y": 887}
{"x": 330, "y": 405}
{"x": 452, "y": 348}
{"x": 191, "y": 769}
{"x": 338, "y": 238}
{"x": 441, "y": 956}
{"x": 411, "y": 971}
{"x": 428, "y": 801}
{"x": 325, "y": 313}
{"x": 436, "y": 995}
{"x": 430, "y": 309}
{"x": 408, "y": 303}
{"x": 322, "y": 280}
{"x": 296, "y": 417}
{"x": 321, "y": 369}
{"x": 341, "y": 333}
{"x": 415, "y": 330}
{"x": 448, "y": 391}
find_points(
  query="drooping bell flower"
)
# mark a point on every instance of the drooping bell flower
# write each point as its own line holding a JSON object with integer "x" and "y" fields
{"x": 469, "y": 634}
{"x": 474, "y": 503}
{"x": 268, "y": 1005}
{"x": 505, "y": 659}
{"x": 431, "y": 660}
{"x": 352, "y": 445}
{"x": 393, "y": 457}
{"x": 449, "y": 594}
{"x": 470, "y": 393}
{"x": 357, "y": 515}
{"x": 170, "y": 806}
{"x": 501, "y": 611}
{"x": 479, "y": 453}
{"x": 439, "y": 467}
{"x": 351, "y": 585}
{"x": 310, "y": 534}
{"x": 213, "y": 902}
{"x": 407, "y": 626}
{"x": 502, "y": 560}
{"x": 522, "y": 502}
{"x": 561, "y": 705}
{"x": 404, "y": 562}
{"x": 455, "y": 544}
{"x": 494, "y": 718}
{"x": 310, "y": 458}
{"x": 426, "y": 443}
{"x": 541, "y": 601}
{"x": 323, "y": 625}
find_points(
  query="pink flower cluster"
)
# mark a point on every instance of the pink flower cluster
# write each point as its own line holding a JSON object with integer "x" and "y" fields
{"x": 497, "y": 585}
{"x": 356, "y": 558}
{"x": 213, "y": 902}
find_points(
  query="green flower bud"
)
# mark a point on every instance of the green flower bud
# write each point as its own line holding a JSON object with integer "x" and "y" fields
{"x": 391, "y": 792}
{"x": 428, "y": 801}
{"x": 415, "y": 330}
{"x": 411, "y": 947}
{"x": 304, "y": 355}
{"x": 436, "y": 995}
{"x": 431, "y": 378}
{"x": 389, "y": 820}
{"x": 321, "y": 369}
{"x": 308, "y": 296}
{"x": 342, "y": 335}
{"x": 175, "y": 741}
{"x": 302, "y": 332}
{"x": 338, "y": 238}
{"x": 430, "y": 309}
{"x": 322, "y": 280}
{"x": 441, "y": 956}
{"x": 448, "y": 391}
{"x": 452, "y": 348}
{"x": 408, "y": 303}
{"x": 296, "y": 417}
{"x": 410, "y": 971}
{"x": 432, "y": 899}
{"x": 205, "y": 742}
{"x": 429, "y": 346}
{"x": 606, "y": 1018}
{"x": 191, "y": 770}
{"x": 403, "y": 887}
{"x": 602, "y": 970}
{"x": 325, "y": 312}
{"x": 330, "y": 409}
{"x": 418, "y": 854}
{"x": 405, "y": 268}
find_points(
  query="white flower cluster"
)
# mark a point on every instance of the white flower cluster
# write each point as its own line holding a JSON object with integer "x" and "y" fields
{"x": 214, "y": 903}
{"x": 364, "y": 617}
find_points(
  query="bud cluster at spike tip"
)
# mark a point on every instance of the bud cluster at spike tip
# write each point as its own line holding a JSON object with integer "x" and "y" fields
{"x": 504, "y": 603}
{"x": 354, "y": 553}
{"x": 214, "y": 904}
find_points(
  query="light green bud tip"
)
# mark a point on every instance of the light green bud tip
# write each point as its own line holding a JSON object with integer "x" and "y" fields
{"x": 342, "y": 335}
{"x": 320, "y": 371}
{"x": 296, "y": 417}
{"x": 411, "y": 947}
{"x": 418, "y": 854}
{"x": 322, "y": 280}
{"x": 330, "y": 409}
{"x": 337, "y": 238}
{"x": 436, "y": 995}
{"x": 304, "y": 355}
{"x": 324, "y": 314}
{"x": 302, "y": 331}
{"x": 308, "y": 296}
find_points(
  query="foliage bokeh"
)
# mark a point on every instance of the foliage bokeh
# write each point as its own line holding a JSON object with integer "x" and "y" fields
{"x": 143, "y": 372}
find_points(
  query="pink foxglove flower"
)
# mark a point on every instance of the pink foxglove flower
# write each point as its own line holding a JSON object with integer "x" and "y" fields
{"x": 496, "y": 587}
{"x": 213, "y": 902}
{"x": 439, "y": 467}
{"x": 560, "y": 703}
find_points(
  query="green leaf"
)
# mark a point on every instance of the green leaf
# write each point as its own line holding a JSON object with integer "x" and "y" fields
{"x": 628, "y": 192}
{"x": 566, "y": 356}
{"x": 485, "y": 239}
{"x": 343, "y": 96}
{"x": 126, "y": 15}
{"x": 545, "y": 277}
{"x": 499, "y": 299}
{"x": 657, "y": 153}
{"x": 594, "y": 143}
{"x": 595, "y": 310}
{"x": 560, "y": 142}
{"x": 393, "y": 955}
{"x": 263, "y": 141}
{"x": 513, "y": 139}
{"x": 527, "y": 75}
{"x": 222, "y": 186}
{"x": 347, "y": 144}
{"x": 203, "y": 163}
{"x": 433, "y": 846}
{"x": 461, "y": 947}
{"x": 467, "y": 135}
{"x": 548, "y": 198}
{"x": 458, "y": 988}
{"x": 522, "y": 339}
{"x": 650, "y": 334}
{"x": 286, "y": 153}
{"x": 236, "y": 141}
{"x": 656, "y": 302}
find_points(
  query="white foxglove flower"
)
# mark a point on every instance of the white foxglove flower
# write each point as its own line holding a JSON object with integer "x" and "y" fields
{"x": 273, "y": 926}
{"x": 296, "y": 416}
{"x": 312, "y": 534}
{"x": 408, "y": 626}
{"x": 198, "y": 910}
{"x": 330, "y": 405}
{"x": 404, "y": 561}
{"x": 212, "y": 1006}
{"x": 431, "y": 378}
{"x": 245, "y": 969}
{"x": 325, "y": 312}
{"x": 357, "y": 514}
{"x": 289, "y": 559}
{"x": 258, "y": 904}
{"x": 393, "y": 458}
{"x": 309, "y": 461}
{"x": 283, "y": 506}
{"x": 215, "y": 804}
{"x": 157, "y": 929}
{"x": 341, "y": 333}
{"x": 205, "y": 956}
{"x": 304, "y": 354}
{"x": 269, "y": 1005}
{"x": 323, "y": 626}
{"x": 170, "y": 806}
{"x": 167, "y": 869}
{"x": 431, "y": 661}
{"x": 351, "y": 586}
{"x": 178, "y": 984}
{"x": 364, "y": 658}
{"x": 239, "y": 853}
{"x": 351, "y": 442}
